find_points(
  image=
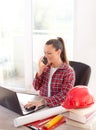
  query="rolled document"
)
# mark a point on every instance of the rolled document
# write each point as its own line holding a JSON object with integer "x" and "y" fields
{"x": 39, "y": 115}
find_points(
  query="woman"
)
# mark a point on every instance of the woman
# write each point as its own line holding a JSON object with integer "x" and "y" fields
{"x": 54, "y": 79}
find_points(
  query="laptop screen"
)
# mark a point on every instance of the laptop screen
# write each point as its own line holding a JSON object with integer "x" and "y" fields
{"x": 9, "y": 100}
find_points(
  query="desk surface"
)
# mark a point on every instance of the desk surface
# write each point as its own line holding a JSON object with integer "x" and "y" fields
{"x": 7, "y": 117}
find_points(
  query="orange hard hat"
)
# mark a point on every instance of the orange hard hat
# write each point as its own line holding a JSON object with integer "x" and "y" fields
{"x": 78, "y": 97}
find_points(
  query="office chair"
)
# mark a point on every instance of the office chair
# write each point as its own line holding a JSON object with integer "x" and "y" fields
{"x": 82, "y": 71}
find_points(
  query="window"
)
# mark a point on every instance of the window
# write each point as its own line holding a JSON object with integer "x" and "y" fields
{"x": 15, "y": 44}
{"x": 51, "y": 19}
{"x": 25, "y": 26}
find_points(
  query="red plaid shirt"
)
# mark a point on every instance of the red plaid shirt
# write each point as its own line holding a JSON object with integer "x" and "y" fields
{"x": 62, "y": 81}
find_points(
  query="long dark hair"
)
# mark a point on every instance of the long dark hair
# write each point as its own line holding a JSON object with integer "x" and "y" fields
{"x": 59, "y": 44}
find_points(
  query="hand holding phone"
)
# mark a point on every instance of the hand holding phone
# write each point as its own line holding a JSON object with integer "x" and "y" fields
{"x": 42, "y": 64}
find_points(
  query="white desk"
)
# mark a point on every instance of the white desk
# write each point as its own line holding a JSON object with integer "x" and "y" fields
{"x": 7, "y": 117}
{"x": 6, "y": 120}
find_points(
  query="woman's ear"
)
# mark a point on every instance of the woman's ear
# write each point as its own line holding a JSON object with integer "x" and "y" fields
{"x": 59, "y": 51}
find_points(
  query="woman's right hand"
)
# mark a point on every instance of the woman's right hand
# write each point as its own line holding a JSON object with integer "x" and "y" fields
{"x": 34, "y": 104}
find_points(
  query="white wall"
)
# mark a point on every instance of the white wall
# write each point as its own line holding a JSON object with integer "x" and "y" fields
{"x": 85, "y": 36}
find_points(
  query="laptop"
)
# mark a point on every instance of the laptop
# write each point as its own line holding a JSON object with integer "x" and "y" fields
{"x": 11, "y": 100}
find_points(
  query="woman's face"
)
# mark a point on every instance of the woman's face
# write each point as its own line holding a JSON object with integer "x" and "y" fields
{"x": 52, "y": 55}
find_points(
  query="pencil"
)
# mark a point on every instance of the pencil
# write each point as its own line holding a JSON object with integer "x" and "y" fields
{"x": 53, "y": 121}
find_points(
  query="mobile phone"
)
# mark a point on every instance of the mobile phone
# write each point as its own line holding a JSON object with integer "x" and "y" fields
{"x": 45, "y": 61}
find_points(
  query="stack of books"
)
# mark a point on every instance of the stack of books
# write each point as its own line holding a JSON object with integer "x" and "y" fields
{"x": 83, "y": 117}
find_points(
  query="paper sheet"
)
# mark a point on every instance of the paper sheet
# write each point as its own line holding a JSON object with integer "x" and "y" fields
{"x": 39, "y": 115}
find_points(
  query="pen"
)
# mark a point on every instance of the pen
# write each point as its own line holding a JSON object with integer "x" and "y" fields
{"x": 53, "y": 121}
{"x": 33, "y": 127}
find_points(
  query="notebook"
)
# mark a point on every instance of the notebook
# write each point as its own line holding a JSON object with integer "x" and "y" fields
{"x": 10, "y": 100}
